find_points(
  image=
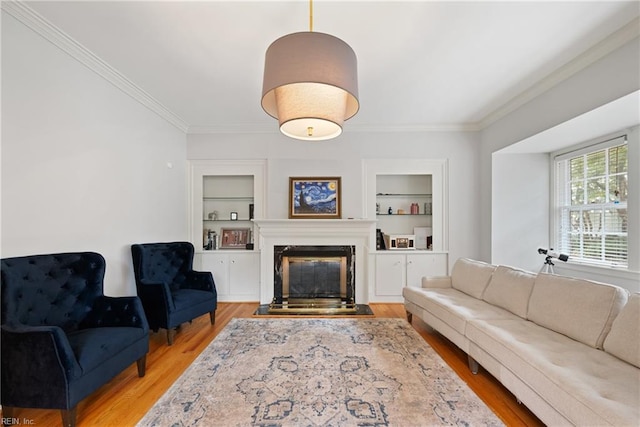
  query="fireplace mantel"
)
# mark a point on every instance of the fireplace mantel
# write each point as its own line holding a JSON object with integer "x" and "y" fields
{"x": 271, "y": 232}
{"x": 269, "y": 227}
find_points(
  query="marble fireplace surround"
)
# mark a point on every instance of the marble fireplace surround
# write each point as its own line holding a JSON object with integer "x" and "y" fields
{"x": 297, "y": 232}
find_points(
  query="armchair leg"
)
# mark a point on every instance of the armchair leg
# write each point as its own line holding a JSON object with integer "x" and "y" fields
{"x": 142, "y": 365}
{"x": 212, "y": 316}
{"x": 409, "y": 316}
{"x": 69, "y": 417}
{"x": 170, "y": 334}
{"x": 8, "y": 412}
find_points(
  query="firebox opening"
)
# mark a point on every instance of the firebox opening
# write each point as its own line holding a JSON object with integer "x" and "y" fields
{"x": 313, "y": 278}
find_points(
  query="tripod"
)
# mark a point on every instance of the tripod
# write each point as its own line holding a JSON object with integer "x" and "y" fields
{"x": 547, "y": 267}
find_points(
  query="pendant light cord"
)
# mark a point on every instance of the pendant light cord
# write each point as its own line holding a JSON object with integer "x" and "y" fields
{"x": 310, "y": 15}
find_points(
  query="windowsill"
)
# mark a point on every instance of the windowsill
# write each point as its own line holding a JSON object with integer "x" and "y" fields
{"x": 620, "y": 276}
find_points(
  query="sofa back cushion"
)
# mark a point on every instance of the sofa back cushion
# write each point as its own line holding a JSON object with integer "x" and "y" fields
{"x": 510, "y": 289}
{"x": 164, "y": 262}
{"x": 51, "y": 290}
{"x": 471, "y": 277}
{"x": 623, "y": 340}
{"x": 578, "y": 308}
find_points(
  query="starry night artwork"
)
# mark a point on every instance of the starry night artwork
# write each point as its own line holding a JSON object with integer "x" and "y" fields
{"x": 314, "y": 198}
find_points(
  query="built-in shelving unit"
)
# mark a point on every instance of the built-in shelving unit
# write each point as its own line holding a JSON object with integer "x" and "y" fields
{"x": 404, "y": 205}
{"x": 227, "y": 195}
{"x": 227, "y": 202}
{"x": 393, "y": 186}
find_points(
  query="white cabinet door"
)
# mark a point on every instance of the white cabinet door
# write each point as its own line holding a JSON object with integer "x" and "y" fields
{"x": 390, "y": 274}
{"x": 218, "y": 264}
{"x": 422, "y": 265}
{"x": 244, "y": 274}
{"x": 236, "y": 273}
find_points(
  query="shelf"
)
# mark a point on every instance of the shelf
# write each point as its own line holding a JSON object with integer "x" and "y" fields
{"x": 406, "y": 214}
{"x": 230, "y": 199}
{"x": 422, "y": 196}
{"x": 226, "y": 220}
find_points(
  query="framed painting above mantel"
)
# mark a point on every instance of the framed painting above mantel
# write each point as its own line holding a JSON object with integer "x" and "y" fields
{"x": 315, "y": 198}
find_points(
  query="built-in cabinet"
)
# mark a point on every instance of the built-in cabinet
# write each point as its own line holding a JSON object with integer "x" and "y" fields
{"x": 394, "y": 270}
{"x": 236, "y": 273}
{"x": 408, "y": 198}
{"x": 225, "y": 197}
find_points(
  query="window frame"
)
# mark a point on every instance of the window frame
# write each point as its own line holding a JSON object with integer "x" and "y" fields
{"x": 561, "y": 190}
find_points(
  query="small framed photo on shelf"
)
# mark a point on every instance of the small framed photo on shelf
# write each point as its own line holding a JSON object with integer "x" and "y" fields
{"x": 234, "y": 238}
{"x": 234, "y": 216}
{"x": 315, "y": 197}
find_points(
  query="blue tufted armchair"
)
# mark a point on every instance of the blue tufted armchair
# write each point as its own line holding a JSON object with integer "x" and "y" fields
{"x": 171, "y": 291}
{"x": 62, "y": 338}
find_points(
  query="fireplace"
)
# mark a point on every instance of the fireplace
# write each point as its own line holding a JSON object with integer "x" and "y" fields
{"x": 313, "y": 278}
{"x": 359, "y": 234}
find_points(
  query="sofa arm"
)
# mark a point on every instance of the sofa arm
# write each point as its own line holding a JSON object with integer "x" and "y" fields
{"x": 200, "y": 280}
{"x": 436, "y": 282}
{"x": 117, "y": 311}
{"x": 36, "y": 355}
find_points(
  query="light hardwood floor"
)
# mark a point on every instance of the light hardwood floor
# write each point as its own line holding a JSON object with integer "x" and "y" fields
{"x": 124, "y": 400}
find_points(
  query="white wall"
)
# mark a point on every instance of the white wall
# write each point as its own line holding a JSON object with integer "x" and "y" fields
{"x": 520, "y": 187}
{"x": 84, "y": 166}
{"x": 343, "y": 157}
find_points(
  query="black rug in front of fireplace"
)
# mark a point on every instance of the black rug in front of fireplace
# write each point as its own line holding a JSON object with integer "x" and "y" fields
{"x": 267, "y": 310}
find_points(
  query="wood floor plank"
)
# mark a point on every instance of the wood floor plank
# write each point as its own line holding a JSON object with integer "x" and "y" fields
{"x": 125, "y": 399}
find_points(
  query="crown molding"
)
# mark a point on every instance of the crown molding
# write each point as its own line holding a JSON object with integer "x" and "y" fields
{"x": 60, "y": 39}
{"x": 613, "y": 42}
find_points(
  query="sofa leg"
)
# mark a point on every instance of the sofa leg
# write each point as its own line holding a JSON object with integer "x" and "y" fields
{"x": 170, "y": 334}
{"x": 69, "y": 417}
{"x": 212, "y": 316}
{"x": 473, "y": 365}
{"x": 409, "y": 316}
{"x": 142, "y": 365}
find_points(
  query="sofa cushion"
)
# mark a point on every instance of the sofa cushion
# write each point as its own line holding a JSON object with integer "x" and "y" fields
{"x": 95, "y": 346}
{"x": 580, "y": 309}
{"x": 588, "y": 386}
{"x": 510, "y": 289}
{"x": 624, "y": 339}
{"x": 471, "y": 277}
{"x": 453, "y": 307}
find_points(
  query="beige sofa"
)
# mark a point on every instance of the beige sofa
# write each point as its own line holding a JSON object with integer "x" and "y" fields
{"x": 569, "y": 349}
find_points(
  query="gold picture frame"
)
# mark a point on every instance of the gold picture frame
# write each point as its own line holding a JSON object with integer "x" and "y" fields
{"x": 315, "y": 197}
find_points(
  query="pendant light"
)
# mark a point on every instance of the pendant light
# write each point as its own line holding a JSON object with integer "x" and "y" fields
{"x": 310, "y": 84}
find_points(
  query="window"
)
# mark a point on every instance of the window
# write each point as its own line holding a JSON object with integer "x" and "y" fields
{"x": 591, "y": 191}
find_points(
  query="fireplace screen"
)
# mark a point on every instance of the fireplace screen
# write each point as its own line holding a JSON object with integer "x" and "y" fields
{"x": 306, "y": 277}
{"x": 314, "y": 275}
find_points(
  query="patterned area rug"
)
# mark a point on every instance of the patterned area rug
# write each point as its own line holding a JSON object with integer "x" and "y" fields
{"x": 319, "y": 372}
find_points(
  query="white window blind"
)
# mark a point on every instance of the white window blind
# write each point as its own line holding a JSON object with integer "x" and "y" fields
{"x": 591, "y": 203}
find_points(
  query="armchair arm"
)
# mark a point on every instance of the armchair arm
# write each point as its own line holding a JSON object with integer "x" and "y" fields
{"x": 436, "y": 282}
{"x": 116, "y": 311}
{"x": 155, "y": 294}
{"x": 200, "y": 280}
{"x": 37, "y": 355}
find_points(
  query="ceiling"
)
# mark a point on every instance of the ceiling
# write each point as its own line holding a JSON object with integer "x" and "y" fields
{"x": 421, "y": 64}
